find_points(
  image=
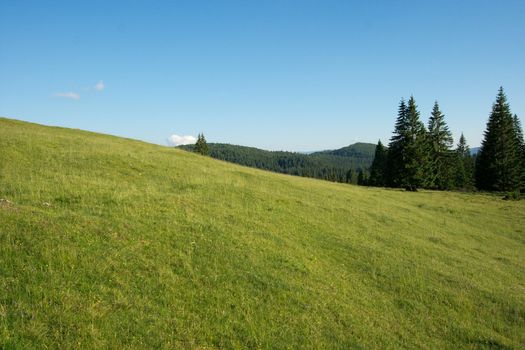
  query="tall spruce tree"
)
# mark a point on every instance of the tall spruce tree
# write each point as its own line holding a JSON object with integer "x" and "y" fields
{"x": 521, "y": 146}
{"x": 379, "y": 166}
{"x": 519, "y": 133}
{"x": 464, "y": 169}
{"x": 416, "y": 155}
{"x": 499, "y": 164}
{"x": 395, "y": 169}
{"x": 408, "y": 160}
{"x": 441, "y": 157}
{"x": 201, "y": 146}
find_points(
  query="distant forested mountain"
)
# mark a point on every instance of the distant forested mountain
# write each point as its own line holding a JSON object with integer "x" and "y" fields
{"x": 341, "y": 165}
{"x": 357, "y": 150}
{"x": 358, "y": 155}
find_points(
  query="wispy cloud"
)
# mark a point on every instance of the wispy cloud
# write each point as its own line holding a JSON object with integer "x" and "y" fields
{"x": 176, "y": 140}
{"x": 100, "y": 86}
{"x": 70, "y": 95}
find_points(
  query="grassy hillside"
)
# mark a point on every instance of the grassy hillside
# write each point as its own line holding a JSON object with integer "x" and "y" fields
{"x": 113, "y": 243}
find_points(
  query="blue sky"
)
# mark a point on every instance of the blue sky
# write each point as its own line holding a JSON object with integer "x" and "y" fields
{"x": 293, "y": 75}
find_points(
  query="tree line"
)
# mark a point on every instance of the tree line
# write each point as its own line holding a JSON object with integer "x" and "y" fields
{"x": 416, "y": 156}
{"x": 423, "y": 157}
{"x": 346, "y": 165}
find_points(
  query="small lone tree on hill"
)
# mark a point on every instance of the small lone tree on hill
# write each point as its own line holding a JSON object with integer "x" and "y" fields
{"x": 201, "y": 146}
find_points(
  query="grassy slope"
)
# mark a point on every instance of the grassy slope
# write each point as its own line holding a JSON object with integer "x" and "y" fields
{"x": 145, "y": 246}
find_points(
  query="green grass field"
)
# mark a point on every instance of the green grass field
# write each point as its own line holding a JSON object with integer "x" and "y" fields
{"x": 114, "y": 243}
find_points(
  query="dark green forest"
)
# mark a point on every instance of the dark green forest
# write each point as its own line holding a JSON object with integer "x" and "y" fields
{"x": 417, "y": 155}
{"x": 341, "y": 165}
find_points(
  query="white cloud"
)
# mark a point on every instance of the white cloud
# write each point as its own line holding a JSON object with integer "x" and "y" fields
{"x": 70, "y": 95}
{"x": 100, "y": 86}
{"x": 176, "y": 140}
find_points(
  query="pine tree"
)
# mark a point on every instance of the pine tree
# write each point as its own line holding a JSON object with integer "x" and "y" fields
{"x": 521, "y": 146}
{"x": 201, "y": 146}
{"x": 440, "y": 144}
{"x": 349, "y": 176}
{"x": 499, "y": 164}
{"x": 408, "y": 154}
{"x": 361, "y": 178}
{"x": 415, "y": 156}
{"x": 462, "y": 148}
{"x": 379, "y": 167}
{"x": 464, "y": 178}
{"x": 395, "y": 171}
{"x": 519, "y": 133}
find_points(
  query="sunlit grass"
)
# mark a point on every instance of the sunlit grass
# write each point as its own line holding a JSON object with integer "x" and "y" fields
{"x": 111, "y": 243}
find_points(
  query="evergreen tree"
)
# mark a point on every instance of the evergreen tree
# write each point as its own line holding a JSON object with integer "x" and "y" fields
{"x": 408, "y": 160}
{"x": 499, "y": 164}
{"x": 349, "y": 176}
{"x": 440, "y": 144}
{"x": 519, "y": 133}
{"x": 361, "y": 178}
{"x": 394, "y": 173}
{"x": 379, "y": 167}
{"x": 408, "y": 154}
{"x": 462, "y": 148}
{"x": 201, "y": 146}
{"x": 415, "y": 155}
{"x": 521, "y": 146}
{"x": 464, "y": 178}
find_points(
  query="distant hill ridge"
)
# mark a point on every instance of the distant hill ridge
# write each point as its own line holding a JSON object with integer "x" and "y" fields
{"x": 338, "y": 165}
{"x": 359, "y": 149}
